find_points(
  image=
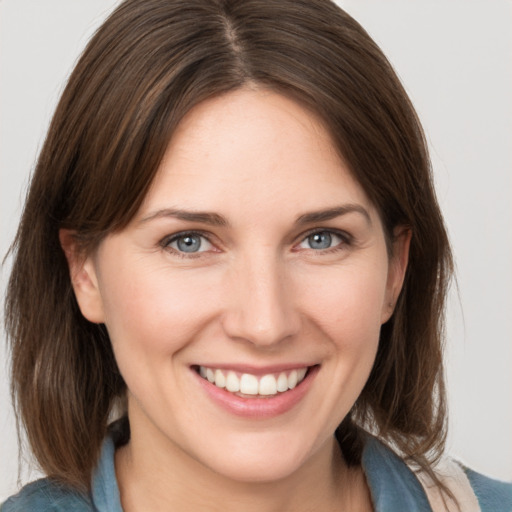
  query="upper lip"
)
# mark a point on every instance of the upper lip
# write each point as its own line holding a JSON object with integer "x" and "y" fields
{"x": 255, "y": 370}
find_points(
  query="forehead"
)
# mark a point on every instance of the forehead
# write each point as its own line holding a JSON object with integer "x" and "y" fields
{"x": 252, "y": 150}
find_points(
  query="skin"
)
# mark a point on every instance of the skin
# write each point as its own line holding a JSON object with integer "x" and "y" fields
{"x": 256, "y": 293}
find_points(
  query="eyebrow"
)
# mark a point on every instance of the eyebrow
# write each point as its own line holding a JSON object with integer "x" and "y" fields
{"x": 214, "y": 219}
{"x": 332, "y": 213}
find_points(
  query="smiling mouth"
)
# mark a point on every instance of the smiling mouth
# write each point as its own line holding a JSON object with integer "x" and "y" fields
{"x": 253, "y": 386}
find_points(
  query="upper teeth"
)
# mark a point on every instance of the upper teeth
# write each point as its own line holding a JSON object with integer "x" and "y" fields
{"x": 249, "y": 384}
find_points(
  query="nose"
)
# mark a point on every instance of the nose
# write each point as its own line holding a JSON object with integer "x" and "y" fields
{"x": 261, "y": 307}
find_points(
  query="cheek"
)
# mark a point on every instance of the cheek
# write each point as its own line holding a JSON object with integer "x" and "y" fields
{"x": 154, "y": 311}
{"x": 150, "y": 318}
{"x": 347, "y": 302}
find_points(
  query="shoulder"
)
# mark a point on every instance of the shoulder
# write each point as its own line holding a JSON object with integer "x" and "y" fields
{"x": 47, "y": 496}
{"x": 492, "y": 494}
{"x": 395, "y": 486}
{"x": 473, "y": 491}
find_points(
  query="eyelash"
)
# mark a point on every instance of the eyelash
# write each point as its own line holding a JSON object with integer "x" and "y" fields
{"x": 345, "y": 237}
{"x": 173, "y": 238}
{"x": 346, "y": 240}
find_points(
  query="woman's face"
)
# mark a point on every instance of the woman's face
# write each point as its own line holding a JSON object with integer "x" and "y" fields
{"x": 255, "y": 261}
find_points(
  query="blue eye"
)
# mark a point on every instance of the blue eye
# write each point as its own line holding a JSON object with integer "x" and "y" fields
{"x": 188, "y": 243}
{"x": 321, "y": 240}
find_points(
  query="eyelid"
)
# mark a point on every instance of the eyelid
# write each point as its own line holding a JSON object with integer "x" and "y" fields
{"x": 167, "y": 240}
{"x": 348, "y": 238}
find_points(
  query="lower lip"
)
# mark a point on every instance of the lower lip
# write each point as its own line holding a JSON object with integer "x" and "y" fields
{"x": 266, "y": 407}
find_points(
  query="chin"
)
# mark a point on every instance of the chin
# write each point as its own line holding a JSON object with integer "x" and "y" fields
{"x": 258, "y": 469}
{"x": 262, "y": 457}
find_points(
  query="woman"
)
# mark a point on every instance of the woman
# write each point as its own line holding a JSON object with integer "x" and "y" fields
{"x": 232, "y": 246}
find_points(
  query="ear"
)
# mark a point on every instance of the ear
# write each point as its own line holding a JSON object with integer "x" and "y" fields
{"x": 83, "y": 276}
{"x": 396, "y": 271}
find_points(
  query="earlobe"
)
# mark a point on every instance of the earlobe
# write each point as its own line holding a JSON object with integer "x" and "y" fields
{"x": 397, "y": 269}
{"x": 83, "y": 277}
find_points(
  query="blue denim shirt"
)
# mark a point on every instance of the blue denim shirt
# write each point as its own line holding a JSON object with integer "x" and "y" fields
{"x": 393, "y": 486}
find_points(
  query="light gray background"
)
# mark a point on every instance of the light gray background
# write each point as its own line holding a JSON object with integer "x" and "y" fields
{"x": 455, "y": 59}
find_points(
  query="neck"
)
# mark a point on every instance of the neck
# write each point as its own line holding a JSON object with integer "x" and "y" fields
{"x": 152, "y": 478}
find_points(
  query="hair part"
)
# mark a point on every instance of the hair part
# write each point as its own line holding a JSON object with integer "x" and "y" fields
{"x": 144, "y": 69}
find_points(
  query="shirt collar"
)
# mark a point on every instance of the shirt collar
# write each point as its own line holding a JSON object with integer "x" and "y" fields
{"x": 393, "y": 485}
{"x": 105, "y": 492}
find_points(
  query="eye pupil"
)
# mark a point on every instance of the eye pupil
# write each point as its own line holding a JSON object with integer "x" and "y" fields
{"x": 189, "y": 243}
{"x": 321, "y": 240}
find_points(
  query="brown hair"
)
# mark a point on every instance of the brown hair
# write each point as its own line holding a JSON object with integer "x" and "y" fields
{"x": 150, "y": 63}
